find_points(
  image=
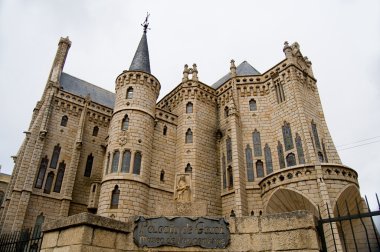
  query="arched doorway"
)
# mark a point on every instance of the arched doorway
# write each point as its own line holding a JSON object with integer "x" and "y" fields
{"x": 287, "y": 200}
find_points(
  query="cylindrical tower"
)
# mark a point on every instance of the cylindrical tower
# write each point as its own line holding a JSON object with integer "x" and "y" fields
{"x": 125, "y": 184}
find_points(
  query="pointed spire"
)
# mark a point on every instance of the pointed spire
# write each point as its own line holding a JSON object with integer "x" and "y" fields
{"x": 140, "y": 61}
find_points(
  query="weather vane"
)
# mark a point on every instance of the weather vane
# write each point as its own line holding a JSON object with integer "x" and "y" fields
{"x": 146, "y": 24}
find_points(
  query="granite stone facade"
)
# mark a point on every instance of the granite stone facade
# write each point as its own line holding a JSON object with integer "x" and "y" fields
{"x": 252, "y": 144}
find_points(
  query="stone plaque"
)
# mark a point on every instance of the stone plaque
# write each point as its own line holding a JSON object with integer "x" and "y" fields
{"x": 181, "y": 232}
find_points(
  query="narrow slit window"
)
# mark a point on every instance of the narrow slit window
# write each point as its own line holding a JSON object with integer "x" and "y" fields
{"x": 162, "y": 176}
{"x": 301, "y": 156}
{"x": 287, "y": 135}
{"x": 115, "y": 197}
{"x": 230, "y": 177}
{"x": 256, "y": 143}
{"x": 224, "y": 172}
{"x": 49, "y": 182}
{"x": 89, "y": 162}
{"x": 280, "y": 152}
{"x": 60, "y": 175}
{"x": 268, "y": 159}
{"x": 226, "y": 112}
{"x": 229, "y": 149}
{"x": 249, "y": 161}
{"x": 165, "y": 130}
{"x": 55, "y": 156}
{"x": 41, "y": 172}
{"x": 315, "y": 135}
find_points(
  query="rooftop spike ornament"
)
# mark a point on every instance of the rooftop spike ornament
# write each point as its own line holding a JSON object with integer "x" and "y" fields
{"x": 146, "y": 23}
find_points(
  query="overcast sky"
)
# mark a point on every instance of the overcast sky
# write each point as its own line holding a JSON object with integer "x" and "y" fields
{"x": 341, "y": 38}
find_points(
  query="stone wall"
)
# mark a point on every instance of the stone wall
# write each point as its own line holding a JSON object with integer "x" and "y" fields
{"x": 293, "y": 231}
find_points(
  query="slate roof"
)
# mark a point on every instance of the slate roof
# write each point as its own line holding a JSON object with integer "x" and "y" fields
{"x": 244, "y": 69}
{"x": 82, "y": 88}
{"x": 141, "y": 61}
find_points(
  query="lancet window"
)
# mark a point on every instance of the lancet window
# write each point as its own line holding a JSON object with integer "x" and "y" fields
{"x": 229, "y": 149}
{"x": 115, "y": 197}
{"x": 259, "y": 169}
{"x": 130, "y": 93}
{"x": 256, "y": 143}
{"x": 252, "y": 105}
{"x": 55, "y": 156}
{"x": 60, "y": 174}
{"x": 189, "y": 136}
{"x": 189, "y": 108}
{"x": 89, "y": 162}
{"x": 49, "y": 182}
{"x": 126, "y": 162}
{"x": 268, "y": 159}
{"x": 115, "y": 161}
{"x": 41, "y": 172}
{"x": 287, "y": 135}
{"x": 280, "y": 152}
{"x": 249, "y": 161}
{"x": 64, "y": 120}
{"x": 137, "y": 163}
{"x": 301, "y": 156}
{"x": 125, "y": 123}
{"x": 290, "y": 160}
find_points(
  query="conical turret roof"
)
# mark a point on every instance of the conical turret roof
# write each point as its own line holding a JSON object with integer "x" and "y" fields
{"x": 141, "y": 61}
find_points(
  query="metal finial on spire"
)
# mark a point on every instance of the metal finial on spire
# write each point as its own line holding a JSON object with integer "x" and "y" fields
{"x": 146, "y": 23}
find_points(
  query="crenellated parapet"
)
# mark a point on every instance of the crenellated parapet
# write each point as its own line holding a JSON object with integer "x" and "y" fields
{"x": 136, "y": 77}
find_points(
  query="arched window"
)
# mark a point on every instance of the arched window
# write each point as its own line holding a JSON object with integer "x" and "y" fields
{"x": 115, "y": 161}
{"x": 49, "y": 182}
{"x": 248, "y": 158}
{"x": 165, "y": 130}
{"x": 280, "y": 95}
{"x": 315, "y": 135}
{"x": 41, "y": 172}
{"x": 229, "y": 149}
{"x": 55, "y": 156}
{"x": 95, "y": 131}
{"x": 60, "y": 174}
{"x": 115, "y": 197}
{"x": 125, "y": 123}
{"x": 256, "y": 143}
{"x": 162, "y": 176}
{"x": 259, "y": 169}
{"x": 38, "y": 226}
{"x": 189, "y": 136}
{"x": 189, "y": 108}
{"x": 290, "y": 160}
{"x": 137, "y": 163}
{"x": 130, "y": 93}
{"x": 90, "y": 160}
{"x": 1, "y": 197}
{"x": 268, "y": 159}
{"x": 252, "y": 105}
{"x": 230, "y": 177}
{"x": 301, "y": 156}
{"x": 226, "y": 112}
{"x": 126, "y": 162}
{"x": 64, "y": 120}
{"x": 188, "y": 168}
{"x": 280, "y": 152}
{"x": 287, "y": 135}
{"x": 320, "y": 157}
{"x": 224, "y": 171}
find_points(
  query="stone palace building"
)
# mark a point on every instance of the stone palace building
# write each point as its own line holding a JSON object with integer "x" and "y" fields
{"x": 250, "y": 145}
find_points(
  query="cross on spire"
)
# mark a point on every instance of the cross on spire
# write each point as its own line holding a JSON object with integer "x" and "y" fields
{"x": 146, "y": 23}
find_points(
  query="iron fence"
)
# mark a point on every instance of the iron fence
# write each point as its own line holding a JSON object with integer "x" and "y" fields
{"x": 27, "y": 240}
{"x": 354, "y": 231}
